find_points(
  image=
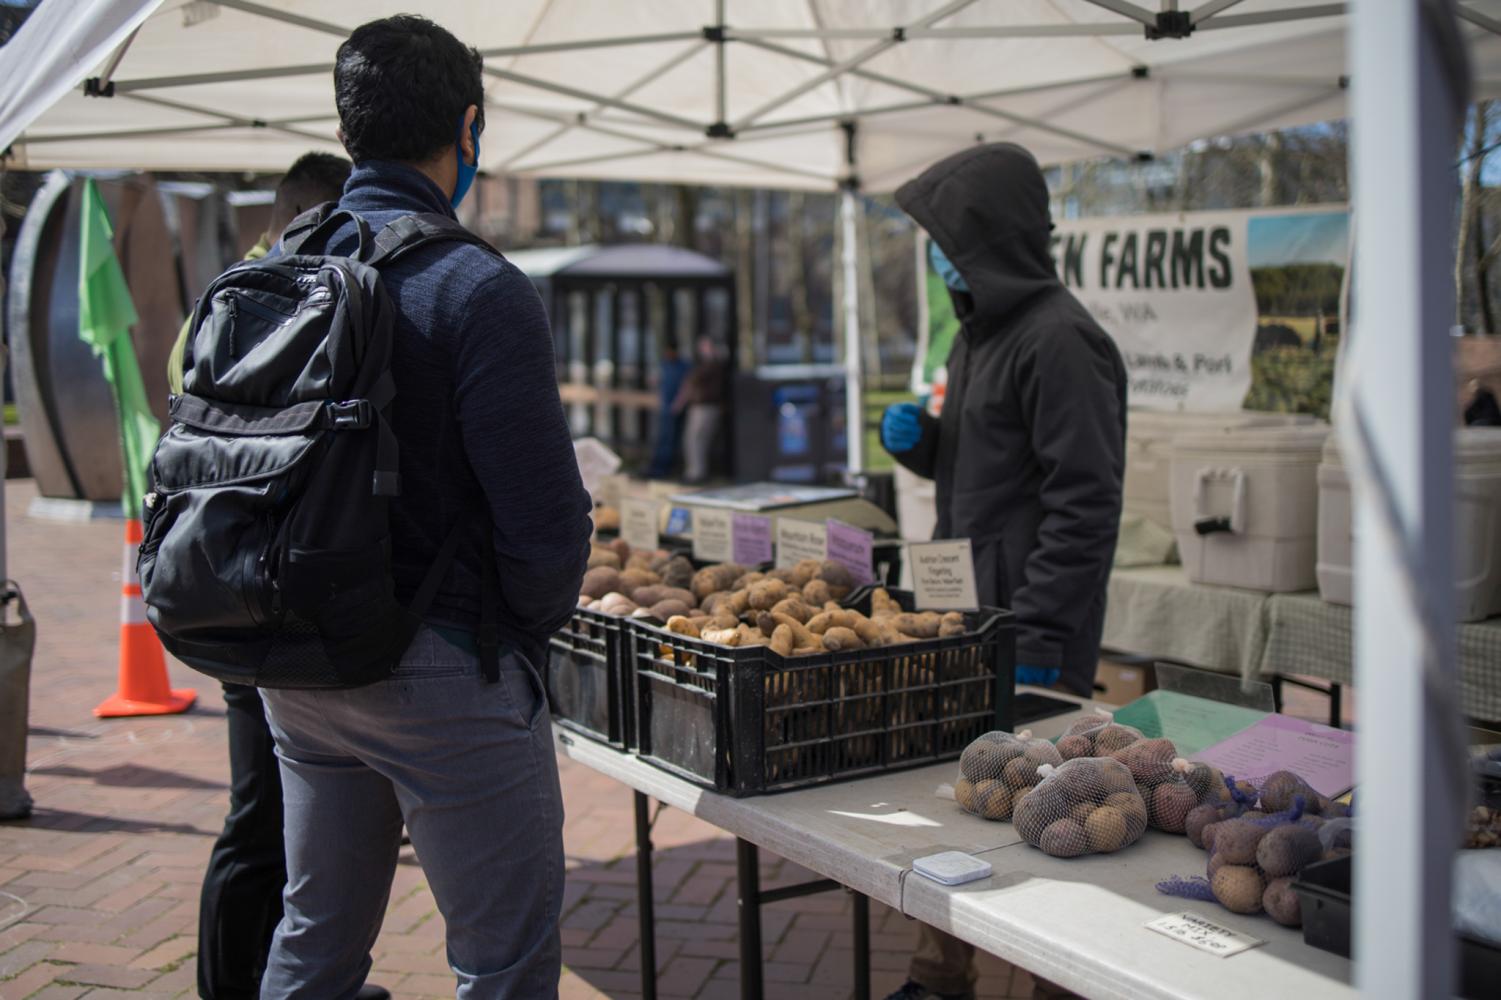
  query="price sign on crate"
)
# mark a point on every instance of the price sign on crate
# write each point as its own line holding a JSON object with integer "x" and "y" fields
{"x": 1203, "y": 934}
{"x": 799, "y": 540}
{"x": 752, "y": 540}
{"x": 638, "y": 523}
{"x": 853, "y": 549}
{"x": 712, "y": 539}
{"x": 943, "y": 575}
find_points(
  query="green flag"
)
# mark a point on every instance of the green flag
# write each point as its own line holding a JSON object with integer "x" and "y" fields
{"x": 105, "y": 316}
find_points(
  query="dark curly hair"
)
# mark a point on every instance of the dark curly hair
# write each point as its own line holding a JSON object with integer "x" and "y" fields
{"x": 402, "y": 85}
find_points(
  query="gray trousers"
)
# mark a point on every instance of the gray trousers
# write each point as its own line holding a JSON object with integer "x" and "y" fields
{"x": 468, "y": 766}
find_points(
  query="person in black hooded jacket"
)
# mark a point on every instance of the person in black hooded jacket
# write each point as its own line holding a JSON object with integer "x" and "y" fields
{"x": 1029, "y": 450}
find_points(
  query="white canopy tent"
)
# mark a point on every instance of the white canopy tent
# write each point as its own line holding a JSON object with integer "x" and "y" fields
{"x": 811, "y": 94}
{"x": 822, "y": 93}
{"x": 696, "y": 91}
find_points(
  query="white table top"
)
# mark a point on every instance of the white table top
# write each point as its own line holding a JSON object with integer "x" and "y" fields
{"x": 1077, "y": 922}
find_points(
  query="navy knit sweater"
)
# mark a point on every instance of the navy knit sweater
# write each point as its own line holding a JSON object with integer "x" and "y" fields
{"x": 479, "y": 422}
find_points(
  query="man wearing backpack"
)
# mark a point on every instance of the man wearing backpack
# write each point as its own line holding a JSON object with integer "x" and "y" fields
{"x": 379, "y": 331}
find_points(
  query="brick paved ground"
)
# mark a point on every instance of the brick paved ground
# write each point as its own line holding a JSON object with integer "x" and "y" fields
{"x": 98, "y": 892}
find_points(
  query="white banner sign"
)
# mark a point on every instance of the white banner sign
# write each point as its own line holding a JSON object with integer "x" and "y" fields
{"x": 1175, "y": 292}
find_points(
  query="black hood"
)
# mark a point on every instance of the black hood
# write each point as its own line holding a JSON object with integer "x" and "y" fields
{"x": 987, "y": 208}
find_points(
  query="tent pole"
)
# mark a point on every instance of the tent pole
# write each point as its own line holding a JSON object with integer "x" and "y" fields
{"x": 854, "y": 382}
{"x": 1399, "y": 427}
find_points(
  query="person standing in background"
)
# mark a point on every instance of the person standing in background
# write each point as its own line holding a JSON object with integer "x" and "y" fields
{"x": 702, "y": 398}
{"x": 669, "y": 383}
{"x": 1029, "y": 449}
{"x": 239, "y": 905}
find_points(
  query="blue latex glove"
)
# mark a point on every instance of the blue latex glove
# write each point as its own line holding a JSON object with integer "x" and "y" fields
{"x": 1037, "y": 676}
{"x": 901, "y": 427}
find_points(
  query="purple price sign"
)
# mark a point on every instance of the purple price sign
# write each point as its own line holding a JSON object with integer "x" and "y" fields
{"x": 752, "y": 539}
{"x": 853, "y": 549}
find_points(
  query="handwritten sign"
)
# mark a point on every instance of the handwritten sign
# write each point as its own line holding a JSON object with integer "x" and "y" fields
{"x": 712, "y": 537}
{"x": 1205, "y": 935}
{"x": 1191, "y": 723}
{"x": 943, "y": 575}
{"x": 751, "y": 539}
{"x": 1320, "y": 755}
{"x": 799, "y": 540}
{"x": 851, "y": 548}
{"x": 638, "y": 523}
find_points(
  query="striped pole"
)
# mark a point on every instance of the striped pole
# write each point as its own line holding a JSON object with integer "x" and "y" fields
{"x": 143, "y": 689}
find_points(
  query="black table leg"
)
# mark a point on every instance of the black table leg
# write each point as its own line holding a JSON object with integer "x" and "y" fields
{"x": 747, "y": 863}
{"x": 862, "y": 946}
{"x": 647, "y": 916}
{"x": 1335, "y": 713}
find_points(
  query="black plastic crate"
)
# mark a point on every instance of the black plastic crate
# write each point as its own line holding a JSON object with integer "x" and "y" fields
{"x": 1324, "y": 894}
{"x": 745, "y": 721}
{"x": 588, "y": 680}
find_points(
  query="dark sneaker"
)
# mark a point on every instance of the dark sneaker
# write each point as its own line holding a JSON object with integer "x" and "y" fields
{"x": 917, "y": 991}
{"x": 372, "y": 992}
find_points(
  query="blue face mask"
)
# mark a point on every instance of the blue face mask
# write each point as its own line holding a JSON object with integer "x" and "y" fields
{"x": 945, "y": 268}
{"x": 466, "y": 170}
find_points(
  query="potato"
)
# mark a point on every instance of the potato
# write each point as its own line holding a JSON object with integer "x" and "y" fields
{"x": 800, "y": 574}
{"x": 631, "y": 579}
{"x": 825, "y": 620}
{"x": 600, "y": 581}
{"x": 919, "y": 626}
{"x": 795, "y": 607}
{"x": 1064, "y": 838}
{"x": 711, "y": 579}
{"x": 993, "y": 800}
{"x": 676, "y": 572}
{"x": 882, "y": 603}
{"x": 603, "y": 557}
{"x": 949, "y": 629}
{"x": 669, "y": 608}
{"x": 621, "y": 548}
{"x": 817, "y": 593}
{"x": 1106, "y": 829}
{"x": 782, "y": 641}
{"x": 722, "y": 636}
{"x": 683, "y": 626}
{"x": 615, "y": 603}
{"x": 739, "y": 603}
{"x": 606, "y": 519}
{"x": 715, "y": 601}
{"x": 766, "y": 594}
{"x": 745, "y": 580}
{"x": 802, "y": 638}
{"x": 840, "y": 638}
{"x": 835, "y": 575}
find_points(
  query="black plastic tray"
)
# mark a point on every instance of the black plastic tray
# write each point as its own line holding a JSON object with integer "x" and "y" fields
{"x": 1324, "y": 892}
{"x": 588, "y": 681}
{"x": 746, "y": 721}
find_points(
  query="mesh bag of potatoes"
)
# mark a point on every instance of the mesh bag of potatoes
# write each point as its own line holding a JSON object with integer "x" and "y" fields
{"x": 997, "y": 769}
{"x": 1089, "y": 805}
{"x": 1171, "y": 786}
{"x": 1255, "y": 856}
{"x": 1096, "y": 736}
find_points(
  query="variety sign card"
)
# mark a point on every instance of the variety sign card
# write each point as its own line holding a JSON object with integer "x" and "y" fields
{"x": 1203, "y": 934}
{"x": 851, "y": 548}
{"x": 713, "y": 540}
{"x": 799, "y": 540}
{"x": 751, "y": 539}
{"x": 638, "y": 523}
{"x": 943, "y": 575}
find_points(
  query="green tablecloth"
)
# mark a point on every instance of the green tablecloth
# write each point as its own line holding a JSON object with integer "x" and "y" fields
{"x": 1158, "y": 612}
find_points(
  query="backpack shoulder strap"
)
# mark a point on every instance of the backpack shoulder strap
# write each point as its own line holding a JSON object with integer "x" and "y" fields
{"x": 409, "y": 232}
{"x": 310, "y": 232}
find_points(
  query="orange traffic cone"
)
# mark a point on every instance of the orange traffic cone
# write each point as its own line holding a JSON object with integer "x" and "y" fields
{"x": 143, "y": 667}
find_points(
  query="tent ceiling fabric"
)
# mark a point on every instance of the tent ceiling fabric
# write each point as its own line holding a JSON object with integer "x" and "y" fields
{"x": 603, "y": 89}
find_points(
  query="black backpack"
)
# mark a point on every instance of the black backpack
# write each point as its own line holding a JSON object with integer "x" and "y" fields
{"x": 266, "y": 557}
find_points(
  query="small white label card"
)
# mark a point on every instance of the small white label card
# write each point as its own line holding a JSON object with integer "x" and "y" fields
{"x": 943, "y": 575}
{"x": 799, "y": 540}
{"x": 638, "y": 523}
{"x": 1203, "y": 934}
{"x": 713, "y": 540}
